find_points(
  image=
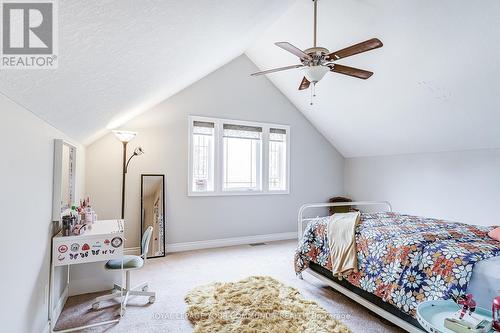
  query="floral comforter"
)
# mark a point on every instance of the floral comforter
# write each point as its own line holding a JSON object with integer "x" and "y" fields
{"x": 405, "y": 259}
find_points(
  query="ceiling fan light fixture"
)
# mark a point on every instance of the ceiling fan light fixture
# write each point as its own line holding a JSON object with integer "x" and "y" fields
{"x": 316, "y": 73}
{"x": 317, "y": 61}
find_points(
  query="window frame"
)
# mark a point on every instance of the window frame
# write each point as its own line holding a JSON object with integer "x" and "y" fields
{"x": 211, "y": 168}
{"x": 219, "y": 156}
{"x": 284, "y": 167}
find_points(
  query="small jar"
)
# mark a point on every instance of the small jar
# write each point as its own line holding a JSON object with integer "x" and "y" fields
{"x": 66, "y": 225}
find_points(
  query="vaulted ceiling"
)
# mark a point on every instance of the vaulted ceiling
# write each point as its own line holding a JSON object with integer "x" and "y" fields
{"x": 436, "y": 82}
{"x": 434, "y": 89}
{"x": 119, "y": 58}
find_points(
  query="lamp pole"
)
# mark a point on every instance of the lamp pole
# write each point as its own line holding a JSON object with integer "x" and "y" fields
{"x": 125, "y": 137}
{"x": 124, "y": 171}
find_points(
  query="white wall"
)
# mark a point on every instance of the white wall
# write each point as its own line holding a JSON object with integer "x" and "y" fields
{"x": 460, "y": 186}
{"x": 26, "y": 170}
{"x": 229, "y": 92}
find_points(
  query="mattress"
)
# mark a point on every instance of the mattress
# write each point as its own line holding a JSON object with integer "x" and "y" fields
{"x": 405, "y": 259}
{"x": 484, "y": 283}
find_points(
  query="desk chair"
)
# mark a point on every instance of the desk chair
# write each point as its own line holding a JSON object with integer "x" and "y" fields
{"x": 129, "y": 263}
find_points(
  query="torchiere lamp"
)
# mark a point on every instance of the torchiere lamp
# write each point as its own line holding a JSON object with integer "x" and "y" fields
{"x": 125, "y": 137}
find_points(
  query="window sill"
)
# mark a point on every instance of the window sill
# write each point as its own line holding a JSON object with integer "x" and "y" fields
{"x": 235, "y": 193}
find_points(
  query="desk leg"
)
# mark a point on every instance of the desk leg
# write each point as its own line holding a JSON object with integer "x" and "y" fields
{"x": 52, "y": 324}
{"x": 122, "y": 299}
{"x": 51, "y": 291}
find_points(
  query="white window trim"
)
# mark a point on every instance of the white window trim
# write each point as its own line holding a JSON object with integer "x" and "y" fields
{"x": 218, "y": 158}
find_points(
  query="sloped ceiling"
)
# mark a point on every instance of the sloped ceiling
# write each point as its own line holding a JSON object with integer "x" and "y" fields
{"x": 119, "y": 58}
{"x": 436, "y": 83}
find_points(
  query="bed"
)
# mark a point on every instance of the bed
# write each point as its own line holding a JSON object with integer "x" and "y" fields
{"x": 404, "y": 260}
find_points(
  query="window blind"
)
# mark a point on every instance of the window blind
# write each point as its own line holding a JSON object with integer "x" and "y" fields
{"x": 203, "y": 128}
{"x": 242, "y": 132}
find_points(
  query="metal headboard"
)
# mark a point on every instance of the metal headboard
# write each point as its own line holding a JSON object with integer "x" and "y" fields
{"x": 303, "y": 208}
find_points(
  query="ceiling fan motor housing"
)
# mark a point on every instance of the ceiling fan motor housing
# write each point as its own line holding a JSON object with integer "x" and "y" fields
{"x": 318, "y": 55}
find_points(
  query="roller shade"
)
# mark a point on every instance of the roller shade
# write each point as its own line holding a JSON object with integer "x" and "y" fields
{"x": 242, "y": 132}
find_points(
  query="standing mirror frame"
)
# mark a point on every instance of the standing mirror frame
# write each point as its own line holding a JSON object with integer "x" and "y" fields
{"x": 63, "y": 192}
{"x": 157, "y": 249}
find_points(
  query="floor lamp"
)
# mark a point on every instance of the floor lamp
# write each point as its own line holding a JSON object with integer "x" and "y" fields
{"x": 125, "y": 137}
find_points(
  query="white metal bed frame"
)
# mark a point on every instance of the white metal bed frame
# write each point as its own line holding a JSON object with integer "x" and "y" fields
{"x": 352, "y": 295}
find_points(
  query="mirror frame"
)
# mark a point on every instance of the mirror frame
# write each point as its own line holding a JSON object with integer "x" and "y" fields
{"x": 57, "y": 175}
{"x": 164, "y": 212}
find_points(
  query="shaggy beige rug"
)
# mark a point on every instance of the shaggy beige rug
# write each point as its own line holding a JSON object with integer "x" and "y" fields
{"x": 254, "y": 305}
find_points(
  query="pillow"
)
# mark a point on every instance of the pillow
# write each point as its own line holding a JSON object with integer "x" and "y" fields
{"x": 495, "y": 234}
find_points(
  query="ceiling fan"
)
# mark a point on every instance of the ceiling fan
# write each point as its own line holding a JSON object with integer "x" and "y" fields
{"x": 319, "y": 60}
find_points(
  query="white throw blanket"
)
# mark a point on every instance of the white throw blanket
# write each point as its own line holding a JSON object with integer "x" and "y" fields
{"x": 342, "y": 242}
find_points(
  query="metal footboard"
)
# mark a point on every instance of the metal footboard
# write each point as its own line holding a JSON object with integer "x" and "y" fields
{"x": 305, "y": 207}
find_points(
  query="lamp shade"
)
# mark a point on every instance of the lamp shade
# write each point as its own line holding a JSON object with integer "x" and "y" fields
{"x": 138, "y": 151}
{"x": 315, "y": 73}
{"x": 124, "y": 136}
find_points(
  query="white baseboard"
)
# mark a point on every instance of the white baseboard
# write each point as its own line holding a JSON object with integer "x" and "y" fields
{"x": 213, "y": 243}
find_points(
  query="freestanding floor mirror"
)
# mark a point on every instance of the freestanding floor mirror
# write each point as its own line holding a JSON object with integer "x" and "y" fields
{"x": 153, "y": 212}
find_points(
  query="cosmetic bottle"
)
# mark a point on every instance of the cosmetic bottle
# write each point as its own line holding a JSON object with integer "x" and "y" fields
{"x": 88, "y": 215}
{"x": 75, "y": 214}
{"x": 66, "y": 225}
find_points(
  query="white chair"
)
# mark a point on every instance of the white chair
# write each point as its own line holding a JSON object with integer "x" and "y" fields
{"x": 129, "y": 263}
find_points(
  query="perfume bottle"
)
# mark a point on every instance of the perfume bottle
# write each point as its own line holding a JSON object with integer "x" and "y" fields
{"x": 495, "y": 309}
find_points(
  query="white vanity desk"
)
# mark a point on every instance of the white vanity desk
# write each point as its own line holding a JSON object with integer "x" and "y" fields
{"x": 103, "y": 241}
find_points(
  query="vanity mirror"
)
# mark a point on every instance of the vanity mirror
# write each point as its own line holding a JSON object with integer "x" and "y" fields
{"x": 63, "y": 195}
{"x": 153, "y": 212}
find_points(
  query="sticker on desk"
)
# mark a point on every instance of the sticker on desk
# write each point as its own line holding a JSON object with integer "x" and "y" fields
{"x": 73, "y": 256}
{"x": 95, "y": 252}
{"x": 61, "y": 257}
{"x": 97, "y": 245}
{"x": 75, "y": 247}
{"x": 85, "y": 247}
{"x": 106, "y": 242}
{"x": 84, "y": 254}
{"x": 62, "y": 248}
{"x": 116, "y": 242}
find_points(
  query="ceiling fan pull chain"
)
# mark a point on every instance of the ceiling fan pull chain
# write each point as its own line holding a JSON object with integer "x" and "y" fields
{"x": 311, "y": 97}
{"x": 313, "y": 93}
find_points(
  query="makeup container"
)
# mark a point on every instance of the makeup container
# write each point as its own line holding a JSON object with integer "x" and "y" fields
{"x": 66, "y": 225}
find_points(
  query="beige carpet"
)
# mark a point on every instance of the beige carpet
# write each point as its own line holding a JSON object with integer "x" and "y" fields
{"x": 257, "y": 304}
{"x": 175, "y": 275}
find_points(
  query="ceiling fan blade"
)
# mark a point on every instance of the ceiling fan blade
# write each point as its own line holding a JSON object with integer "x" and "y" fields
{"x": 367, "y": 45}
{"x": 293, "y": 49}
{"x": 276, "y": 70}
{"x": 304, "y": 84}
{"x": 351, "y": 71}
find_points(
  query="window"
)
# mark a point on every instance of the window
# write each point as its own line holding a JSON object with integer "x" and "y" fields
{"x": 277, "y": 159}
{"x": 202, "y": 156}
{"x": 242, "y": 156}
{"x": 229, "y": 157}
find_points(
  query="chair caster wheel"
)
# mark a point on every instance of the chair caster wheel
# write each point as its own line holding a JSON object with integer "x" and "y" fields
{"x": 145, "y": 288}
{"x": 152, "y": 299}
{"x": 95, "y": 305}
